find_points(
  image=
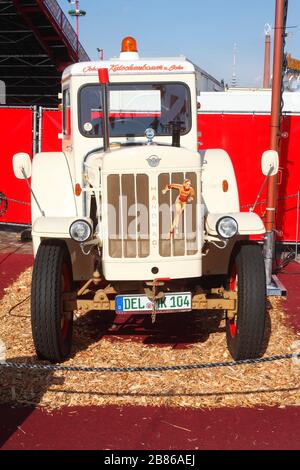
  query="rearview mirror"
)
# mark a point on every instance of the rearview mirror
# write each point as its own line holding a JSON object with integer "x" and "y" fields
{"x": 270, "y": 163}
{"x": 22, "y": 165}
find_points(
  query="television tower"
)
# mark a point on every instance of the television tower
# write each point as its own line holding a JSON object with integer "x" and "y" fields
{"x": 234, "y": 81}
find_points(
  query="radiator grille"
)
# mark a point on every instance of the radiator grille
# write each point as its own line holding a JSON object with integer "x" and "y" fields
{"x": 183, "y": 240}
{"x": 128, "y": 215}
{"x": 130, "y": 201}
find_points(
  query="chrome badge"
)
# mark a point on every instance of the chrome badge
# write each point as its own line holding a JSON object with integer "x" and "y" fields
{"x": 153, "y": 161}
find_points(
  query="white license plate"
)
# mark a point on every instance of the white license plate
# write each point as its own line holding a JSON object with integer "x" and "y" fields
{"x": 175, "y": 302}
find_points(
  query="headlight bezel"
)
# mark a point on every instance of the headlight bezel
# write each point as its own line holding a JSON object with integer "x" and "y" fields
{"x": 221, "y": 233}
{"x": 89, "y": 233}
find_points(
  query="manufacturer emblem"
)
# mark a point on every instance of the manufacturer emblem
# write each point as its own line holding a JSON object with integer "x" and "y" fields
{"x": 153, "y": 161}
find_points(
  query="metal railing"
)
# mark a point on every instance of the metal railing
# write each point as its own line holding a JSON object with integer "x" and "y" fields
{"x": 66, "y": 28}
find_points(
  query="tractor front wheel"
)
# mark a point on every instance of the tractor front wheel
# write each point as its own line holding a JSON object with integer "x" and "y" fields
{"x": 51, "y": 279}
{"x": 245, "y": 332}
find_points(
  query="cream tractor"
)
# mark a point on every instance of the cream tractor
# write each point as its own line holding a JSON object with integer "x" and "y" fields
{"x": 131, "y": 218}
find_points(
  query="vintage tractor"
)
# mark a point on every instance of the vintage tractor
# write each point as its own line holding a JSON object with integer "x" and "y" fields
{"x": 131, "y": 218}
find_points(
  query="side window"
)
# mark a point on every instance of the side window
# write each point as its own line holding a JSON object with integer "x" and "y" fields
{"x": 66, "y": 112}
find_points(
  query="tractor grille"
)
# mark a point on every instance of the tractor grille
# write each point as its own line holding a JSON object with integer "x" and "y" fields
{"x": 183, "y": 241}
{"x": 140, "y": 216}
{"x": 128, "y": 215}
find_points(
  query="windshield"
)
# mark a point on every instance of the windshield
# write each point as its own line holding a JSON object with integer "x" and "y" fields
{"x": 165, "y": 107}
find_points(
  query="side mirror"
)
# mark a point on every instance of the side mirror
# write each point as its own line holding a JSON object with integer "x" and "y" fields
{"x": 22, "y": 165}
{"x": 270, "y": 163}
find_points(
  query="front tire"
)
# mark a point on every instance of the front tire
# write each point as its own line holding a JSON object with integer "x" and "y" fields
{"x": 51, "y": 278}
{"x": 245, "y": 333}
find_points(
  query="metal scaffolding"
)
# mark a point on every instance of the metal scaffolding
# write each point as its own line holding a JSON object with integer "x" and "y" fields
{"x": 36, "y": 43}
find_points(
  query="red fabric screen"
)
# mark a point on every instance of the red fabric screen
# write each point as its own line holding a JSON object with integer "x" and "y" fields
{"x": 15, "y": 136}
{"x": 245, "y": 138}
{"x": 51, "y": 127}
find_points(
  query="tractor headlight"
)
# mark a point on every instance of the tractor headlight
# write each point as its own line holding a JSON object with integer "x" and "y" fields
{"x": 227, "y": 227}
{"x": 80, "y": 231}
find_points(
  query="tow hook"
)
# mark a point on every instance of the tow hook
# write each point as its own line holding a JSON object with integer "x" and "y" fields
{"x": 153, "y": 296}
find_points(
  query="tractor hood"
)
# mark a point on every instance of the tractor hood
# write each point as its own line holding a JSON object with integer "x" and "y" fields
{"x": 146, "y": 158}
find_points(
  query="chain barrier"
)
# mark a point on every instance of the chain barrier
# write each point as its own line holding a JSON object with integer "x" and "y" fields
{"x": 188, "y": 367}
{"x": 261, "y": 203}
{"x": 8, "y": 199}
{"x": 3, "y": 204}
{"x": 4, "y": 200}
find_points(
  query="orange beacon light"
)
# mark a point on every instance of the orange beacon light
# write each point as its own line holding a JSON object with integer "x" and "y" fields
{"x": 129, "y": 45}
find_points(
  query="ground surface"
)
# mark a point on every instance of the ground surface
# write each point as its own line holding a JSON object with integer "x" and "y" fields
{"x": 170, "y": 419}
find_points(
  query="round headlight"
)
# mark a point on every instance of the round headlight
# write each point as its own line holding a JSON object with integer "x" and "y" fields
{"x": 227, "y": 227}
{"x": 80, "y": 231}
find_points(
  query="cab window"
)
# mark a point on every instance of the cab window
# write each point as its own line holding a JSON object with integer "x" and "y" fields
{"x": 66, "y": 112}
{"x": 133, "y": 108}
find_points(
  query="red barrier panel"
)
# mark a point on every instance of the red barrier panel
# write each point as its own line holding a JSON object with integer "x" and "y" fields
{"x": 15, "y": 136}
{"x": 51, "y": 127}
{"x": 245, "y": 137}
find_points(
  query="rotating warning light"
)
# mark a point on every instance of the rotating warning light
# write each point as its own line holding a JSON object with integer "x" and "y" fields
{"x": 129, "y": 45}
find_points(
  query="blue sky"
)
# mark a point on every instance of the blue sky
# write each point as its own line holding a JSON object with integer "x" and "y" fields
{"x": 204, "y": 31}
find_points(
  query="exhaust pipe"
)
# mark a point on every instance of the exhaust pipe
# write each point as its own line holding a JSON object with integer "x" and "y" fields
{"x": 104, "y": 80}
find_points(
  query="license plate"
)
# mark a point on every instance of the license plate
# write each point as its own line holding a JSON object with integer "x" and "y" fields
{"x": 175, "y": 302}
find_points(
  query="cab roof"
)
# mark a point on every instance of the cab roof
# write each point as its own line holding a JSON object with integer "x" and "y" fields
{"x": 117, "y": 66}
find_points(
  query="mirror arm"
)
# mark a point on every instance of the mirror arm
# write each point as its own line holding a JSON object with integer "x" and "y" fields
{"x": 33, "y": 195}
{"x": 262, "y": 188}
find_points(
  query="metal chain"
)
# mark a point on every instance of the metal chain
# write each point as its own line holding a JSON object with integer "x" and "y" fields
{"x": 209, "y": 365}
{"x": 261, "y": 203}
{"x": 8, "y": 199}
{"x": 3, "y": 204}
{"x": 246, "y": 206}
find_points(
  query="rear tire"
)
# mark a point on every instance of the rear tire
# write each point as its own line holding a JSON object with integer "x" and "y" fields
{"x": 51, "y": 278}
{"x": 245, "y": 333}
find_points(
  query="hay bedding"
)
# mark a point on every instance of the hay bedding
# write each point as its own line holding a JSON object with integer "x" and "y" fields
{"x": 101, "y": 339}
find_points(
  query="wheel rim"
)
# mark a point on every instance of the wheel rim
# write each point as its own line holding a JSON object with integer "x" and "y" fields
{"x": 65, "y": 287}
{"x": 233, "y": 286}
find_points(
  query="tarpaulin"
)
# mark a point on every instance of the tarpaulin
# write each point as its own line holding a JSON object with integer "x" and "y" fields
{"x": 15, "y": 136}
{"x": 245, "y": 137}
{"x": 51, "y": 127}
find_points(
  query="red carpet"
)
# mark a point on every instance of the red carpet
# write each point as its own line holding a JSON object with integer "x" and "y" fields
{"x": 130, "y": 428}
